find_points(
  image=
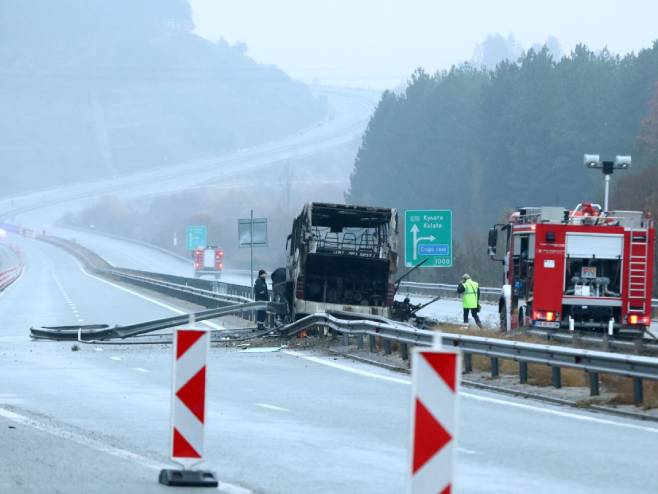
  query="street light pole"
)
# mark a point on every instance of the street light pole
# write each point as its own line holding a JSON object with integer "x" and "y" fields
{"x": 607, "y": 167}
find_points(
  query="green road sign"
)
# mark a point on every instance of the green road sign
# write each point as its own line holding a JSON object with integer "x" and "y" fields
{"x": 197, "y": 236}
{"x": 428, "y": 235}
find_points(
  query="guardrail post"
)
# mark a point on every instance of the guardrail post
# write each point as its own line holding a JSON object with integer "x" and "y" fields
{"x": 638, "y": 391}
{"x": 556, "y": 377}
{"x": 346, "y": 339}
{"x": 605, "y": 343}
{"x": 594, "y": 384}
{"x": 404, "y": 351}
{"x": 468, "y": 362}
{"x": 372, "y": 343}
{"x": 359, "y": 341}
{"x": 495, "y": 371}
{"x": 387, "y": 346}
{"x": 523, "y": 372}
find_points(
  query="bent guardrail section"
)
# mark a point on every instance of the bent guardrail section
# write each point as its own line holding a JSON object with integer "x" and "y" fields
{"x": 387, "y": 332}
{"x": 102, "y": 332}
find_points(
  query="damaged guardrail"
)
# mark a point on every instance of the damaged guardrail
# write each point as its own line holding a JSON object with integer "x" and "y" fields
{"x": 389, "y": 332}
{"x": 101, "y": 332}
{"x": 8, "y": 276}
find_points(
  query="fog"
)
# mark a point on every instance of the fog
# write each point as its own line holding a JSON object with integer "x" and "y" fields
{"x": 91, "y": 90}
{"x": 96, "y": 88}
{"x": 378, "y": 43}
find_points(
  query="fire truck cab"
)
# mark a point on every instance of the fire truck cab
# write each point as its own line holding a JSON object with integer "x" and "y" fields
{"x": 583, "y": 268}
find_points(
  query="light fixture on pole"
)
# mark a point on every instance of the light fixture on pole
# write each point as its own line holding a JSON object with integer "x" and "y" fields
{"x": 607, "y": 167}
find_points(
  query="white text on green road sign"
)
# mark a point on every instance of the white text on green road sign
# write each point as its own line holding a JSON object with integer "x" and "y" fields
{"x": 428, "y": 237}
{"x": 197, "y": 237}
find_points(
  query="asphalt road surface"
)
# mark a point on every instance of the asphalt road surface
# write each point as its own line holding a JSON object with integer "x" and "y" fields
{"x": 96, "y": 420}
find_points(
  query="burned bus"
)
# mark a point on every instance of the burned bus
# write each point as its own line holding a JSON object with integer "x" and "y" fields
{"x": 341, "y": 258}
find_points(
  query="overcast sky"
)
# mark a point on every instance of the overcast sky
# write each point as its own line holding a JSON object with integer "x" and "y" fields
{"x": 379, "y": 42}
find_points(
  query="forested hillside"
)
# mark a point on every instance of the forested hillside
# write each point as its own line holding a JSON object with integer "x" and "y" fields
{"x": 101, "y": 87}
{"x": 481, "y": 142}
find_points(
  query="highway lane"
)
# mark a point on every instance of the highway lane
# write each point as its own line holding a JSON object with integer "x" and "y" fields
{"x": 55, "y": 289}
{"x": 278, "y": 422}
{"x": 8, "y": 258}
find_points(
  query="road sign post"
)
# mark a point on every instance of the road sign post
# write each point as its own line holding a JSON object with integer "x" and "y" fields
{"x": 434, "y": 420}
{"x": 188, "y": 410}
{"x": 428, "y": 236}
{"x": 197, "y": 237}
{"x": 252, "y": 233}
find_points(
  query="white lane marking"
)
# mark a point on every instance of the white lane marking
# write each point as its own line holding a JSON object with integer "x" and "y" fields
{"x": 272, "y": 407}
{"x": 559, "y": 413}
{"x": 82, "y": 440}
{"x": 353, "y": 370}
{"x": 68, "y": 300}
{"x": 115, "y": 358}
{"x": 468, "y": 451}
{"x": 141, "y": 369}
{"x": 549, "y": 411}
{"x": 104, "y": 448}
{"x": 144, "y": 297}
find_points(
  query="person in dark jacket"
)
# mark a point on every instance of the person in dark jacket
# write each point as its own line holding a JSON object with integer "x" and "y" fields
{"x": 261, "y": 293}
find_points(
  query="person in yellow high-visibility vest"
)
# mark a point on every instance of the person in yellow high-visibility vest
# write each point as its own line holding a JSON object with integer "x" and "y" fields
{"x": 470, "y": 292}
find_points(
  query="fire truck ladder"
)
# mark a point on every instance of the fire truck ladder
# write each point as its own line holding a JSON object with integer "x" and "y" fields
{"x": 637, "y": 280}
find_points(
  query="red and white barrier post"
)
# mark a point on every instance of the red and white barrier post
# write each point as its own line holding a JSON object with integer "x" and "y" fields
{"x": 188, "y": 409}
{"x": 435, "y": 388}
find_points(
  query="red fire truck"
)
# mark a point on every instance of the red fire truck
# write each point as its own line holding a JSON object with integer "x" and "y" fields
{"x": 208, "y": 260}
{"x": 583, "y": 268}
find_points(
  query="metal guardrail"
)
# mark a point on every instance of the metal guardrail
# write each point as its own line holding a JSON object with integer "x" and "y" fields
{"x": 487, "y": 292}
{"x": 389, "y": 332}
{"x": 232, "y": 290}
{"x": 8, "y": 276}
{"x": 201, "y": 296}
{"x": 103, "y": 332}
{"x": 445, "y": 286}
{"x": 594, "y": 363}
{"x": 445, "y": 290}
